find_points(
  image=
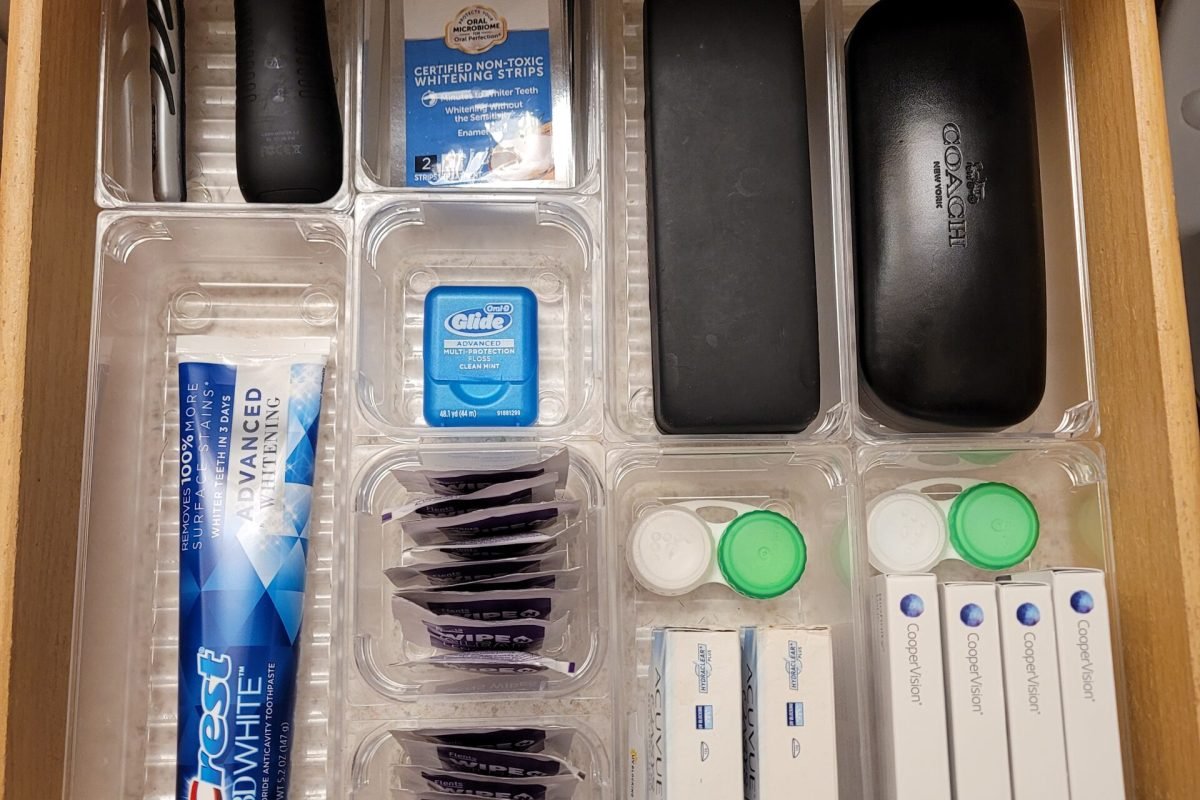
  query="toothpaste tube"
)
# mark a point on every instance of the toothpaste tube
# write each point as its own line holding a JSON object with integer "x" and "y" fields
{"x": 465, "y": 481}
{"x": 427, "y": 576}
{"x": 494, "y": 547}
{"x": 492, "y": 662}
{"x": 249, "y": 417}
{"x": 505, "y": 604}
{"x": 558, "y": 787}
{"x": 488, "y": 522}
{"x": 532, "y": 490}
{"x": 483, "y": 761}
{"x": 553, "y": 741}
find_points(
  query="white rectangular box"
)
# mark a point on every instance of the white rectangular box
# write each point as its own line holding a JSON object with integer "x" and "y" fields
{"x": 910, "y": 688}
{"x": 979, "y": 767}
{"x": 1089, "y": 686}
{"x": 789, "y": 714}
{"x": 695, "y": 733}
{"x": 1034, "y": 699}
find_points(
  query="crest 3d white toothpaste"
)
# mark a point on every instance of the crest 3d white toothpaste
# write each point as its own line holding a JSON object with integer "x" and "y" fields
{"x": 249, "y": 415}
{"x": 910, "y": 687}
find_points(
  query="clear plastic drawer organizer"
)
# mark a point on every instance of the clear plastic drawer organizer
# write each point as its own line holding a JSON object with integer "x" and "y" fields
{"x": 359, "y": 270}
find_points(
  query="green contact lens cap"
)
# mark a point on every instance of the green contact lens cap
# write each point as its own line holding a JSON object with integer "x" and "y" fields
{"x": 993, "y": 526}
{"x": 762, "y": 554}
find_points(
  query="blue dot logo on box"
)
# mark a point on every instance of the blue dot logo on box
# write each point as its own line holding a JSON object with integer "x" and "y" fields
{"x": 1083, "y": 602}
{"x": 971, "y": 615}
{"x": 1029, "y": 614}
{"x": 911, "y": 605}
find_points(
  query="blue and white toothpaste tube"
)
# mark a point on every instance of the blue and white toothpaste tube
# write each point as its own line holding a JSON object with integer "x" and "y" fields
{"x": 249, "y": 415}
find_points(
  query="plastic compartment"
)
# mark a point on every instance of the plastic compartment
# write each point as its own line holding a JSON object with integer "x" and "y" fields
{"x": 1069, "y": 408}
{"x": 409, "y": 248}
{"x": 631, "y": 390}
{"x": 124, "y": 155}
{"x": 378, "y": 753}
{"x": 809, "y": 485}
{"x": 157, "y": 278}
{"x": 382, "y": 160}
{"x": 374, "y": 637}
{"x": 1065, "y": 482}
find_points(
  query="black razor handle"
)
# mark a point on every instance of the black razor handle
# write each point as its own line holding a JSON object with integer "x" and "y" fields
{"x": 289, "y": 130}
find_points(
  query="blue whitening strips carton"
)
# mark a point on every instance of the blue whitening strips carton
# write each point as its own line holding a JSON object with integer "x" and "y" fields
{"x": 481, "y": 357}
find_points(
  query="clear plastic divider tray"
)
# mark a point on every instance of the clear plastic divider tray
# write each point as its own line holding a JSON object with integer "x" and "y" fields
{"x": 359, "y": 270}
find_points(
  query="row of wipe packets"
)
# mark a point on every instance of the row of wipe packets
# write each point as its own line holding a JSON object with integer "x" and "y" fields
{"x": 486, "y": 575}
{"x": 492, "y": 762}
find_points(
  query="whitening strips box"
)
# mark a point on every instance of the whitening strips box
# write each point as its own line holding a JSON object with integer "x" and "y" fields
{"x": 787, "y": 694}
{"x": 910, "y": 687}
{"x": 695, "y": 733}
{"x": 975, "y": 692}
{"x": 1034, "y": 700}
{"x": 1089, "y": 686}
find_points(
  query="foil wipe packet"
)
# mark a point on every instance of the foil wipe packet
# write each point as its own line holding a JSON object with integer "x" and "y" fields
{"x": 550, "y": 740}
{"x": 485, "y": 522}
{"x": 490, "y": 662}
{"x": 529, "y": 490}
{"x": 466, "y": 481}
{"x": 556, "y": 787}
{"x": 504, "y": 605}
{"x": 483, "y": 761}
{"x": 494, "y": 547}
{"x": 463, "y": 635}
{"x": 439, "y": 574}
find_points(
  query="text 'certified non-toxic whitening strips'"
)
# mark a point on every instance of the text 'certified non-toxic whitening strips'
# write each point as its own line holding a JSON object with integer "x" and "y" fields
{"x": 486, "y": 100}
{"x": 789, "y": 719}
{"x": 910, "y": 687}
{"x": 1089, "y": 691}
{"x": 695, "y": 735}
{"x": 975, "y": 692}
{"x": 1035, "y": 723}
{"x": 481, "y": 357}
{"x": 250, "y": 411}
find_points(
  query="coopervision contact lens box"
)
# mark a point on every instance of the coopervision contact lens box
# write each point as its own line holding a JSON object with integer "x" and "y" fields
{"x": 788, "y": 713}
{"x": 695, "y": 731}
{"x": 1033, "y": 697}
{"x": 979, "y": 766}
{"x": 910, "y": 687}
{"x": 1089, "y": 687}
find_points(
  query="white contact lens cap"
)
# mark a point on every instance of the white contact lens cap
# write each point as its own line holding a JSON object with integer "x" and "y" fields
{"x": 671, "y": 551}
{"x": 906, "y": 533}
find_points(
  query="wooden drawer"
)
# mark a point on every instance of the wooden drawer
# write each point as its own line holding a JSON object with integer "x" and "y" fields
{"x": 47, "y": 238}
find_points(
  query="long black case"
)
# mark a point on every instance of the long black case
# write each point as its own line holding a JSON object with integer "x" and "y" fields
{"x": 949, "y": 259}
{"x": 732, "y": 278}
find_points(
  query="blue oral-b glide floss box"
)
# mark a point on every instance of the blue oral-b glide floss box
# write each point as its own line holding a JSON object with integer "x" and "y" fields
{"x": 481, "y": 357}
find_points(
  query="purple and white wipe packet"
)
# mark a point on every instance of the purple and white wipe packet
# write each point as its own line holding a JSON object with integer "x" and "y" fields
{"x": 484, "y": 761}
{"x": 465, "y": 481}
{"x": 464, "y": 635}
{"x": 557, "y": 787}
{"x": 453, "y": 573}
{"x": 490, "y": 548}
{"x": 488, "y": 522}
{"x": 551, "y": 740}
{"x": 488, "y": 662}
{"x": 532, "y": 490}
{"x": 494, "y": 606}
